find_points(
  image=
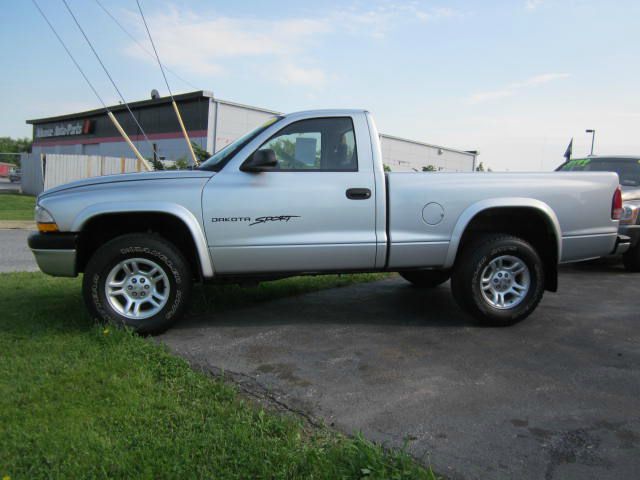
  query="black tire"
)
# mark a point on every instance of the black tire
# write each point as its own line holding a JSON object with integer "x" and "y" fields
{"x": 425, "y": 278}
{"x": 631, "y": 259}
{"x": 466, "y": 279}
{"x": 152, "y": 250}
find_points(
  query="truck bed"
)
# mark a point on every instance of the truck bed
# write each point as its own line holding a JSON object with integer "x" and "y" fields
{"x": 415, "y": 198}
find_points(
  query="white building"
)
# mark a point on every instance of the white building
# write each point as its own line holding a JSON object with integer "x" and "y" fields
{"x": 212, "y": 123}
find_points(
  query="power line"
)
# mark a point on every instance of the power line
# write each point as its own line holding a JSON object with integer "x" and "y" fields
{"x": 144, "y": 20}
{"x": 70, "y": 55}
{"x": 153, "y": 45}
{"x": 173, "y": 101}
{"x": 109, "y": 113}
{"x": 142, "y": 47}
{"x": 108, "y": 74}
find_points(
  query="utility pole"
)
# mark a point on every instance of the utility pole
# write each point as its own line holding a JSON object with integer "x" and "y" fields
{"x": 593, "y": 138}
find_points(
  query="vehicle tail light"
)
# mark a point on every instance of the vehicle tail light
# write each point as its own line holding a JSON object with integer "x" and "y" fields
{"x": 616, "y": 205}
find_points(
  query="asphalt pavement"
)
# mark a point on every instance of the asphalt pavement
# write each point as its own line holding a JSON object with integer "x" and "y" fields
{"x": 556, "y": 396}
{"x": 15, "y": 255}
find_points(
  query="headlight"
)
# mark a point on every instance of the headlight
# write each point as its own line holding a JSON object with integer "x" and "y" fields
{"x": 44, "y": 220}
{"x": 629, "y": 214}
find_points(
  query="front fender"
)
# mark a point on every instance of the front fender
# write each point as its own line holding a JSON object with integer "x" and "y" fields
{"x": 511, "y": 202}
{"x": 176, "y": 210}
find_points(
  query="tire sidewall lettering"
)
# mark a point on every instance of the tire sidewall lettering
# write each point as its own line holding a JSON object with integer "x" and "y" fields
{"x": 154, "y": 253}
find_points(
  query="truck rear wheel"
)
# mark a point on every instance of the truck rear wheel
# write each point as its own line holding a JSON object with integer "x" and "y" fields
{"x": 425, "y": 278}
{"x": 140, "y": 281}
{"x": 499, "y": 279}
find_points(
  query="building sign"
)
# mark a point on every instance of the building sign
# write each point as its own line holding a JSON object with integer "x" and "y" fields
{"x": 81, "y": 127}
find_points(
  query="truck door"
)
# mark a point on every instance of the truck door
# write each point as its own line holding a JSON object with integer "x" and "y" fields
{"x": 314, "y": 211}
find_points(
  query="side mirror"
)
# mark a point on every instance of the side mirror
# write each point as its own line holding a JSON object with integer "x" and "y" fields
{"x": 260, "y": 161}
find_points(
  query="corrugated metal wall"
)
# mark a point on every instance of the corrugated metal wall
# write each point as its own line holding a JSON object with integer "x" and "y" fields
{"x": 233, "y": 121}
{"x": 61, "y": 169}
{"x": 32, "y": 175}
{"x": 43, "y": 171}
{"x": 407, "y": 156}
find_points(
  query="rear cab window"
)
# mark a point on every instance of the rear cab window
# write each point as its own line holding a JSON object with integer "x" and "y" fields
{"x": 628, "y": 169}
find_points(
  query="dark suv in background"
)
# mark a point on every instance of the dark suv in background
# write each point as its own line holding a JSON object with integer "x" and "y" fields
{"x": 628, "y": 170}
{"x": 15, "y": 175}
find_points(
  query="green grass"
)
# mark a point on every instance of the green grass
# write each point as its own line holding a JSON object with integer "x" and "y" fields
{"x": 16, "y": 207}
{"x": 78, "y": 400}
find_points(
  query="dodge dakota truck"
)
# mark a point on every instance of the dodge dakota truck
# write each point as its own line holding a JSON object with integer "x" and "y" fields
{"x": 306, "y": 193}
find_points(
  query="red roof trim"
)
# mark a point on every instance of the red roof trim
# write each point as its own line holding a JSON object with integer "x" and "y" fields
{"x": 134, "y": 138}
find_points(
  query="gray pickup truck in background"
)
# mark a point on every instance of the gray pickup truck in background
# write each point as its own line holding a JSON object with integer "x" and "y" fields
{"x": 306, "y": 193}
{"x": 628, "y": 169}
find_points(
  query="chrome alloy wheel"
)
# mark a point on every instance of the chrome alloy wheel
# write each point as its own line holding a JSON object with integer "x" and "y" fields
{"x": 137, "y": 288}
{"x": 505, "y": 282}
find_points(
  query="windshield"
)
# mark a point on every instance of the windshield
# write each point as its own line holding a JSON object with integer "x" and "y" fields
{"x": 628, "y": 169}
{"x": 220, "y": 159}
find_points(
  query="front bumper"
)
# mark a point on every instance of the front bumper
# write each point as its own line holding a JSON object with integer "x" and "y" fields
{"x": 55, "y": 253}
{"x": 631, "y": 231}
{"x": 623, "y": 243}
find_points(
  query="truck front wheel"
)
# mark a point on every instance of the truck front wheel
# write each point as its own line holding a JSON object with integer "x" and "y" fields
{"x": 138, "y": 280}
{"x": 499, "y": 279}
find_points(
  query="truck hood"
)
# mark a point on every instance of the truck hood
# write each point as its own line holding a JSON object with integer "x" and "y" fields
{"x": 630, "y": 193}
{"x": 130, "y": 177}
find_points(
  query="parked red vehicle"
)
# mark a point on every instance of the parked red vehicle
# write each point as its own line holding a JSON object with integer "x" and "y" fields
{"x": 5, "y": 168}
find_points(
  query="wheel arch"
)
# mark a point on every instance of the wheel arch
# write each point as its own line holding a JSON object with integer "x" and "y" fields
{"x": 143, "y": 211}
{"x": 497, "y": 216}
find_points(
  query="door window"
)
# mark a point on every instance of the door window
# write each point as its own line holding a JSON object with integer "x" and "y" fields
{"x": 319, "y": 144}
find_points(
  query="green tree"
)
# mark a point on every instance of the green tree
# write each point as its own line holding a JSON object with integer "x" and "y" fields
{"x": 201, "y": 153}
{"x": 285, "y": 151}
{"x": 386, "y": 167}
{"x": 481, "y": 168}
{"x": 17, "y": 145}
{"x": 156, "y": 164}
{"x": 429, "y": 168}
{"x": 181, "y": 164}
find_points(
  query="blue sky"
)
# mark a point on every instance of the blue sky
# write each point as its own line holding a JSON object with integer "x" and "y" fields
{"x": 513, "y": 79}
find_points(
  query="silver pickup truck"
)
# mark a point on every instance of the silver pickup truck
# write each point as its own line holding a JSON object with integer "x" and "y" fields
{"x": 306, "y": 193}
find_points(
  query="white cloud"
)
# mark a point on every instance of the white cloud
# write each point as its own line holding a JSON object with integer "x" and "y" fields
{"x": 205, "y": 43}
{"x": 492, "y": 95}
{"x": 201, "y": 44}
{"x": 377, "y": 21}
{"x": 435, "y": 13}
{"x": 541, "y": 79}
{"x": 514, "y": 88}
{"x": 533, "y": 4}
{"x": 291, "y": 74}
